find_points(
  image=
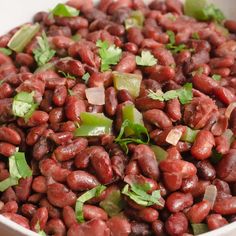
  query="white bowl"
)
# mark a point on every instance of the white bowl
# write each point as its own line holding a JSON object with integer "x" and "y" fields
{"x": 16, "y": 12}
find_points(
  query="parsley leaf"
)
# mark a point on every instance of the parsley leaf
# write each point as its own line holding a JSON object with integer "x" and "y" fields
{"x": 140, "y": 135}
{"x": 43, "y": 53}
{"x": 6, "y": 51}
{"x": 216, "y": 77}
{"x": 67, "y": 75}
{"x": 64, "y": 10}
{"x": 110, "y": 55}
{"x": 86, "y": 77}
{"x": 171, "y": 45}
{"x": 184, "y": 94}
{"x": 23, "y": 105}
{"x": 18, "y": 168}
{"x": 200, "y": 10}
{"x": 95, "y": 192}
{"x": 138, "y": 193}
{"x": 146, "y": 59}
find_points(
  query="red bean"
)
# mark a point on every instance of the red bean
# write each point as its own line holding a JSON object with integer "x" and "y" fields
{"x": 39, "y": 184}
{"x": 225, "y": 206}
{"x": 173, "y": 109}
{"x": 172, "y": 181}
{"x": 28, "y": 210}
{"x": 203, "y": 145}
{"x": 92, "y": 212}
{"x": 23, "y": 188}
{"x": 59, "y": 96}
{"x": 7, "y": 149}
{"x": 215, "y": 221}
{"x": 119, "y": 225}
{"x": 199, "y": 211}
{"x": 69, "y": 216}
{"x": 55, "y": 227}
{"x": 40, "y": 217}
{"x": 176, "y": 224}
{"x": 21, "y": 220}
{"x": 11, "y": 207}
{"x": 80, "y": 180}
{"x": 111, "y": 101}
{"x": 148, "y": 214}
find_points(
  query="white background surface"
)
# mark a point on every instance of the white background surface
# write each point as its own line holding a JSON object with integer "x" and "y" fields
{"x": 16, "y": 12}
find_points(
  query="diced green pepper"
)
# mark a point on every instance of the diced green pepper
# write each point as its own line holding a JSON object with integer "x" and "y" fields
{"x": 189, "y": 135}
{"x": 130, "y": 113}
{"x": 160, "y": 153}
{"x": 199, "y": 228}
{"x": 130, "y": 82}
{"x": 22, "y": 37}
{"x": 93, "y": 124}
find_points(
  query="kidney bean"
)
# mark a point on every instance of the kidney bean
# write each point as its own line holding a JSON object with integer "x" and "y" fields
{"x": 6, "y": 90}
{"x": 199, "y": 211}
{"x": 69, "y": 216}
{"x": 92, "y": 212}
{"x": 35, "y": 198}
{"x": 177, "y": 201}
{"x": 127, "y": 64}
{"x": 200, "y": 188}
{"x": 39, "y": 184}
{"x": 176, "y": 224}
{"x": 158, "y": 228}
{"x": 226, "y": 206}
{"x": 28, "y": 210}
{"x": 215, "y": 221}
{"x": 221, "y": 186}
{"x": 225, "y": 168}
{"x": 8, "y": 195}
{"x": 55, "y": 227}
{"x": 61, "y": 138}
{"x": 59, "y": 96}
{"x": 186, "y": 169}
{"x": 139, "y": 228}
{"x": 172, "y": 181}
{"x": 232, "y": 122}
{"x": 157, "y": 117}
{"x": 163, "y": 74}
{"x": 7, "y": 149}
{"x": 80, "y": 180}
{"x": 41, "y": 148}
{"x": 23, "y": 189}
{"x": 110, "y": 101}
{"x": 147, "y": 161}
{"x": 37, "y": 118}
{"x": 189, "y": 184}
{"x": 102, "y": 166}
{"x": 56, "y": 115}
{"x": 173, "y": 109}
{"x": 74, "y": 106}
{"x": 60, "y": 196}
{"x": 34, "y": 134}
{"x": 10, "y": 207}
{"x": 53, "y": 212}
{"x": 148, "y": 214}
{"x": 146, "y": 103}
{"x": 203, "y": 145}
{"x": 205, "y": 170}
{"x": 119, "y": 225}
{"x": 21, "y": 220}
{"x": 67, "y": 152}
{"x": 40, "y": 217}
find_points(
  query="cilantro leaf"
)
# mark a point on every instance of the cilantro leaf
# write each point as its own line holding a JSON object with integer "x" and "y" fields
{"x": 86, "y": 77}
{"x": 95, "y": 192}
{"x": 23, "y": 105}
{"x": 184, "y": 94}
{"x": 110, "y": 55}
{"x": 18, "y": 168}
{"x": 200, "y": 10}
{"x": 216, "y": 77}
{"x": 138, "y": 193}
{"x": 43, "y": 53}
{"x": 64, "y": 10}
{"x": 67, "y": 75}
{"x": 140, "y": 135}
{"x": 171, "y": 45}
{"x": 146, "y": 59}
{"x": 6, "y": 51}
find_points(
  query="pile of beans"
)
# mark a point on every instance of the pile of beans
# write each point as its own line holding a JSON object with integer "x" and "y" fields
{"x": 65, "y": 166}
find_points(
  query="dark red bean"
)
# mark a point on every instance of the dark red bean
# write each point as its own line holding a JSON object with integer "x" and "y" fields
{"x": 225, "y": 206}
{"x": 21, "y": 220}
{"x": 215, "y": 221}
{"x": 69, "y": 216}
{"x": 110, "y": 101}
{"x": 119, "y": 225}
{"x": 59, "y": 96}
{"x": 40, "y": 217}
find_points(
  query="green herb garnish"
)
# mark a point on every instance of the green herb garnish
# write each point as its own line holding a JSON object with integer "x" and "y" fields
{"x": 196, "y": 36}
{"x": 95, "y": 192}
{"x": 18, "y": 168}
{"x": 172, "y": 46}
{"x": 139, "y": 135}
{"x": 64, "y": 10}
{"x": 110, "y": 55}
{"x": 43, "y": 53}
{"x": 216, "y": 77}
{"x": 184, "y": 94}
{"x": 138, "y": 193}
{"x": 86, "y": 77}
{"x": 199, "y": 228}
{"x": 24, "y": 105}
{"x": 38, "y": 230}
{"x": 6, "y": 51}
{"x": 67, "y": 75}
{"x": 146, "y": 59}
{"x": 136, "y": 19}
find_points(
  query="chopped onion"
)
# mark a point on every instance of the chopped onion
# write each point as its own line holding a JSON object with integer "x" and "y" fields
{"x": 229, "y": 109}
{"x": 210, "y": 194}
{"x": 95, "y": 96}
{"x": 174, "y": 136}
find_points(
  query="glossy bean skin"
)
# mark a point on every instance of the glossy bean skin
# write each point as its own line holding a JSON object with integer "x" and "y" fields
{"x": 148, "y": 214}
{"x": 225, "y": 206}
{"x": 7, "y": 149}
{"x": 80, "y": 180}
{"x": 10, "y": 207}
{"x": 69, "y": 216}
{"x": 199, "y": 211}
{"x": 55, "y": 227}
{"x": 60, "y": 196}
{"x": 111, "y": 101}
{"x": 215, "y": 221}
{"x": 177, "y": 201}
{"x": 40, "y": 217}
{"x": 205, "y": 170}
{"x": 21, "y": 220}
{"x": 147, "y": 161}
{"x": 176, "y": 224}
{"x": 203, "y": 145}
{"x": 119, "y": 225}
{"x": 9, "y": 135}
{"x": 92, "y": 212}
